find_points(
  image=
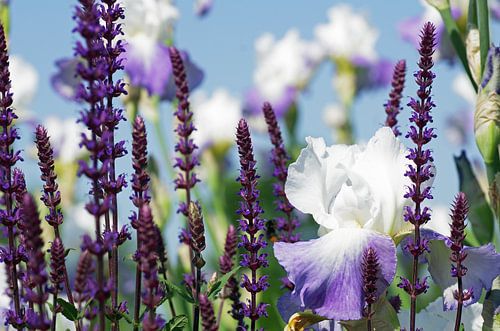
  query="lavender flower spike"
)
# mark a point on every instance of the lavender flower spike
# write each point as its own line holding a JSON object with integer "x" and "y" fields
{"x": 250, "y": 225}
{"x": 51, "y": 195}
{"x": 392, "y": 106}
{"x": 112, "y": 13}
{"x": 208, "y": 321}
{"x": 57, "y": 274}
{"x": 371, "y": 269}
{"x": 421, "y": 170}
{"x": 35, "y": 282}
{"x": 92, "y": 91}
{"x": 279, "y": 158}
{"x": 148, "y": 260}
{"x": 458, "y": 255}
{"x": 8, "y": 180}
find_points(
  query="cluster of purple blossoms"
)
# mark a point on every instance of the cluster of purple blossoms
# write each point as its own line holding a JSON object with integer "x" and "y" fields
{"x": 100, "y": 51}
{"x": 393, "y": 105}
{"x": 285, "y": 226}
{"x": 421, "y": 171}
{"x": 251, "y": 224}
{"x": 11, "y": 183}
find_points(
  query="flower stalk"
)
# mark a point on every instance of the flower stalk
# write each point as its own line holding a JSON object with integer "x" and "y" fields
{"x": 250, "y": 226}
{"x": 421, "y": 170}
{"x": 393, "y": 105}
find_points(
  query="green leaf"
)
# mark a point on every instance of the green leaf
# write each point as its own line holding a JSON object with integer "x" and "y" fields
{"x": 178, "y": 323}
{"x": 480, "y": 214}
{"x": 457, "y": 41}
{"x": 181, "y": 291}
{"x": 220, "y": 283}
{"x": 384, "y": 318}
{"x": 491, "y": 301}
{"x": 69, "y": 311}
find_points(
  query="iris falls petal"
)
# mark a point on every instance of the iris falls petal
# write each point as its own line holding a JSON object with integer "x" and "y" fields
{"x": 327, "y": 271}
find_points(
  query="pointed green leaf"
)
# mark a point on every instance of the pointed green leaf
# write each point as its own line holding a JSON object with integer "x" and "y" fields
{"x": 480, "y": 214}
{"x": 69, "y": 311}
{"x": 181, "y": 291}
{"x": 178, "y": 323}
{"x": 220, "y": 283}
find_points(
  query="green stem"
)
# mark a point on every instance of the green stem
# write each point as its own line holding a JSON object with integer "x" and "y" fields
{"x": 484, "y": 31}
{"x": 457, "y": 42}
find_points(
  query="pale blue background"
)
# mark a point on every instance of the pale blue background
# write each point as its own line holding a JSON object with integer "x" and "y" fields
{"x": 223, "y": 44}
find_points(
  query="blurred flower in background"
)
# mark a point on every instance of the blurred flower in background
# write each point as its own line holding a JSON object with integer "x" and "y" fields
{"x": 65, "y": 136}
{"x": 284, "y": 68}
{"x": 460, "y": 123}
{"x": 24, "y": 85}
{"x": 219, "y": 115}
{"x": 203, "y": 7}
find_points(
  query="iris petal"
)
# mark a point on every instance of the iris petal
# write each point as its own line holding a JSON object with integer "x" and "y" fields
{"x": 327, "y": 272}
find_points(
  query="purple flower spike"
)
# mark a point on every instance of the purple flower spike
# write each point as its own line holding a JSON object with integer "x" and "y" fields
{"x": 371, "y": 270}
{"x": 279, "y": 158}
{"x": 57, "y": 272}
{"x": 93, "y": 91}
{"x": 421, "y": 170}
{"x": 392, "y": 106}
{"x": 8, "y": 183}
{"x": 82, "y": 283}
{"x": 208, "y": 321}
{"x": 148, "y": 260}
{"x": 35, "y": 281}
{"x": 251, "y": 224}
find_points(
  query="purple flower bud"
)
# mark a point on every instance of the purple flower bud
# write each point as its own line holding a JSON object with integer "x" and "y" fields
{"x": 393, "y": 105}
{"x": 57, "y": 263}
{"x": 279, "y": 158}
{"x": 371, "y": 269}
{"x": 84, "y": 269}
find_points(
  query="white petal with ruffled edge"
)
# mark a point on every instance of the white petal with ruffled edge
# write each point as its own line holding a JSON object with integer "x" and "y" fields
{"x": 483, "y": 265}
{"x": 382, "y": 165}
{"x": 327, "y": 272}
{"x": 316, "y": 177}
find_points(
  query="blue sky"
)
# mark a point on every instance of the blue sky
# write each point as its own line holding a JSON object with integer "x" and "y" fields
{"x": 223, "y": 45}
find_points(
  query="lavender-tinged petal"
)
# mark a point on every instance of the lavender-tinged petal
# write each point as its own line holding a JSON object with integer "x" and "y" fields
{"x": 370, "y": 75}
{"x": 288, "y": 304}
{"x": 328, "y": 268}
{"x": 65, "y": 81}
{"x": 254, "y": 100}
{"x": 483, "y": 265}
{"x": 194, "y": 75}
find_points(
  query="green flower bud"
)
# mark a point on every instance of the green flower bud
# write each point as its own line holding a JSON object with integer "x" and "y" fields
{"x": 439, "y": 4}
{"x": 487, "y": 115}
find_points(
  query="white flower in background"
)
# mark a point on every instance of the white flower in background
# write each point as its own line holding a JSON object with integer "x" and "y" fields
{"x": 347, "y": 34}
{"x": 24, "y": 79}
{"x": 148, "y": 22}
{"x": 433, "y": 317}
{"x": 460, "y": 124}
{"x": 65, "y": 136}
{"x": 334, "y": 115}
{"x": 285, "y": 63}
{"x": 218, "y": 115}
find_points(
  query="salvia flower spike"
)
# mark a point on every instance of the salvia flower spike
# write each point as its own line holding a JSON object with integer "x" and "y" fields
{"x": 148, "y": 260}
{"x": 57, "y": 273}
{"x": 35, "y": 280}
{"x": 421, "y": 169}
{"x": 208, "y": 320}
{"x": 251, "y": 226}
{"x": 51, "y": 196}
{"x": 8, "y": 158}
{"x": 371, "y": 268}
{"x": 393, "y": 105}
{"x": 458, "y": 215}
{"x": 287, "y": 225}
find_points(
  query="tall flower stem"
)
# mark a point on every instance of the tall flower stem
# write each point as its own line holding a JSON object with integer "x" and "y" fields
{"x": 421, "y": 170}
{"x": 457, "y": 235}
{"x": 8, "y": 158}
{"x": 250, "y": 225}
{"x": 187, "y": 161}
{"x": 51, "y": 197}
{"x": 93, "y": 72}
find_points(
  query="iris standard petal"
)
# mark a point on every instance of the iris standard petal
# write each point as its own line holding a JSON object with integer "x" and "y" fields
{"x": 483, "y": 265}
{"x": 327, "y": 272}
{"x": 317, "y": 176}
